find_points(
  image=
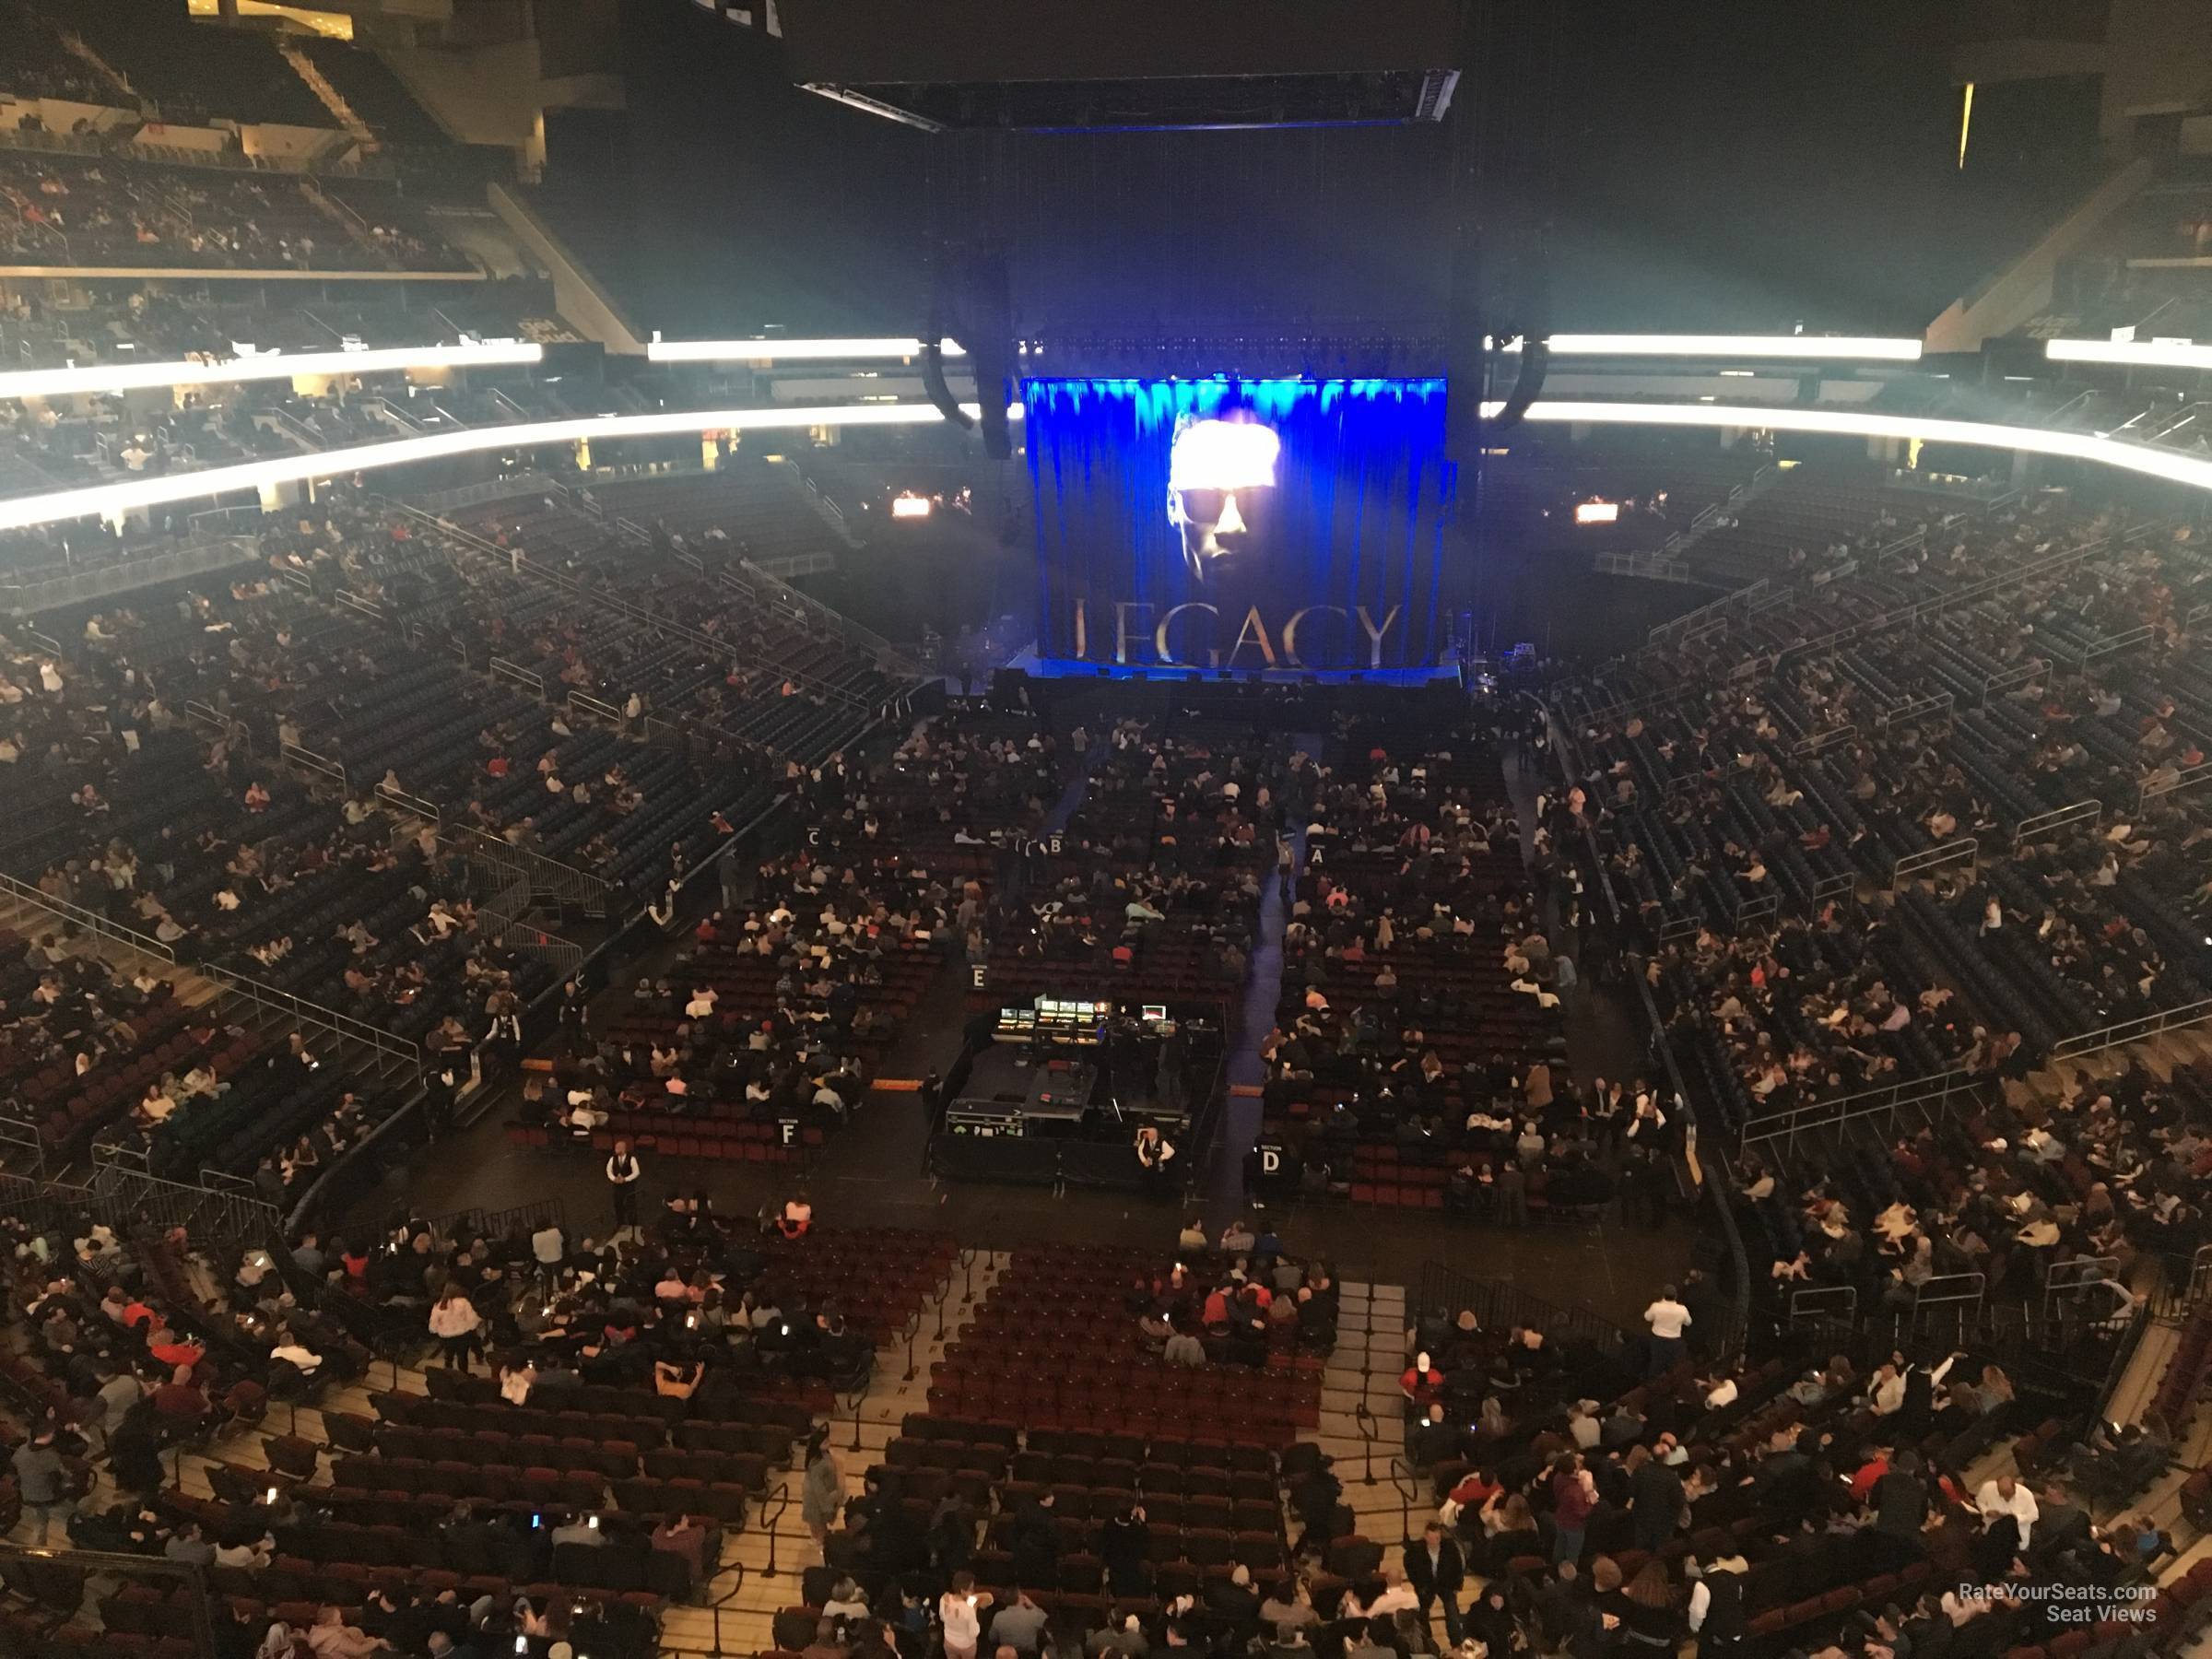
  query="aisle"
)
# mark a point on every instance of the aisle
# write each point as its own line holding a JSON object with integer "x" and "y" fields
{"x": 749, "y": 1598}
{"x": 1243, "y": 1071}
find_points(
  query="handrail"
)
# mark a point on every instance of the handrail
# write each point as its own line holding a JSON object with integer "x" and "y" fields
{"x": 1912, "y": 708}
{"x": 1793, "y": 1120}
{"x": 2186, "y": 778}
{"x": 478, "y": 495}
{"x": 2111, "y": 644}
{"x": 601, "y": 598}
{"x": 721, "y": 1601}
{"x": 564, "y": 881}
{"x": 1824, "y": 740}
{"x": 2028, "y": 829}
{"x": 195, "y": 558}
{"x": 516, "y": 674}
{"x": 771, "y": 1516}
{"x": 2004, "y": 680}
{"x": 1402, "y": 1476}
{"x": 837, "y": 622}
{"x": 233, "y": 729}
{"x": 315, "y": 1014}
{"x": 598, "y": 708}
{"x": 514, "y": 935}
{"x": 1815, "y": 1301}
{"x": 91, "y": 921}
{"x": 2133, "y": 1031}
{"x": 418, "y": 804}
{"x": 294, "y": 754}
{"x": 1964, "y": 850}
{"x": 1497, "y": 1303}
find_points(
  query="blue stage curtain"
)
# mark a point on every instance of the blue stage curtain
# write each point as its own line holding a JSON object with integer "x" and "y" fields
{"x": 1356, "y": 517}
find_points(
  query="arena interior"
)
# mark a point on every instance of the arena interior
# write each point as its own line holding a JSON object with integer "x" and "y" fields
{"x": 838, "y": 829}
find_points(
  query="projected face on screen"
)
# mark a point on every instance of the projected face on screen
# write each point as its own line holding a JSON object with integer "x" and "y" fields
{"x": 1221, "y": 476}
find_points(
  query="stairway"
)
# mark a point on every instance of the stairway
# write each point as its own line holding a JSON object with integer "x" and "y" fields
{"x": 329, "y": 96}
{"x": 747, "y": 1598}
{"x": 1359, "y": 1396}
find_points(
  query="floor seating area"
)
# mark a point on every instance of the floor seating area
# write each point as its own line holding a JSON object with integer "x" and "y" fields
{"x": 1158, "y": 825}
{"x": 1402, "y": 918}
{"x": 1038, "y": 1473}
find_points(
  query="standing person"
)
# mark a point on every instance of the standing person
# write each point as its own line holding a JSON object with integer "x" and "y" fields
{"x": 823, "y": 1494}
{"x": 438, "y": 1100}
{"x": 960, "y": 1611}
{"x": 1668, "y": 1319}
{"x": 622, "y": 1172}
{"x": 1573, "y": 1496}
{"x": 1437, "y": 1572}
{"x": 455, "y": 1322}
{"x": 1655, "y": 1503}
{"x": 42, "y": 1483}
{"x": 575, "y": 1017}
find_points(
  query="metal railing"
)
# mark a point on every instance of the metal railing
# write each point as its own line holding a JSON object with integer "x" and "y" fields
{"x": 89, "y": 922}
{"x": 2153, "y": 787}
{"x": 587, "y": 707}
{"x": 405, "y": 1051}
{"x": 2007, "y": 680}
{"x": 2133, "y": 1031}
{"x": 600, "y": 598}
{"x": 2112, "y": 644}
{"x": 26, "y": 598}
{"x": 499, "y": 1223}
{"x": 1915, "y": 708}
{"x": 1839, "y": 1302}
{"x": 562, "y": 955}
{"x": 836, "y": 624}
{"x": 2042, "y": 823}
{"x": 550, "y": 880}
{"x": 1823, "y": 740}
{"x": 514, "y": 673}
{"x": 1653, "y": 566}
{"x": 480, "y": 495}
{"x": 231, "y": 729}
{"x": 400, "y": 800}
{"x": 1736, "y": 1329}
{"x": 306, "y": 759}
{"x": 1777, "y": 1132}
{"x": 1915, "y": 864}
{"x": 1497, "y": 1303}
{"x": 128, "y": 1198}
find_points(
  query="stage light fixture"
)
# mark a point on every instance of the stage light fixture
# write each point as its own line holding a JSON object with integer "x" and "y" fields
{"x": 1597, "y": 512}
{"x": 909, "y": 506}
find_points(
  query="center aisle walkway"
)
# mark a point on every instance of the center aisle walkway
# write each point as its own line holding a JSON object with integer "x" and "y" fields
{"x": 1224, "y": 1184}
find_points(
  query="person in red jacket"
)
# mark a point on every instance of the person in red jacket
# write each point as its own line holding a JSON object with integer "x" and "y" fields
{"x": 1421, "y": 1383}
{"x": 1573, "y": 1496}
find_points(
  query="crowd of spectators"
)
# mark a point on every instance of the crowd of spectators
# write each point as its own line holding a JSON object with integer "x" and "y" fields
{"x": 114, "y": 209}
{"x": 1806, "y": 1505}
{"x": 1159, "y": 872}
{"x": 1420, "y": 1023}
